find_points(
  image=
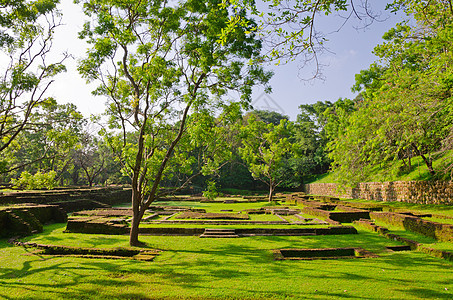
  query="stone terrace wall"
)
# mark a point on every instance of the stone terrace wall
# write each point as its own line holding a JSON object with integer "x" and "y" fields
{"x": 103, "y": 195}
{"x": 427, "y": 192}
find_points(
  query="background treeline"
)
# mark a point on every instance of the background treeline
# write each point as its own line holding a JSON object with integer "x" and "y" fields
{"x": 59, "y": 142}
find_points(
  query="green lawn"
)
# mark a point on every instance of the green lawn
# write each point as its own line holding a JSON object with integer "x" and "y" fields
{"x": 215, "y": 207}
{"x": 440, "y": 220}
{"x": 241, "y": 268}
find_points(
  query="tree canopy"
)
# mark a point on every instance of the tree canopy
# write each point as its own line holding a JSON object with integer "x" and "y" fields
{"x": 26, "y": 33}
{"x": 165, "y": 76}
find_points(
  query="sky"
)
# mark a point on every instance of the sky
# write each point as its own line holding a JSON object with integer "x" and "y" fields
{"x": 350, "y": 50}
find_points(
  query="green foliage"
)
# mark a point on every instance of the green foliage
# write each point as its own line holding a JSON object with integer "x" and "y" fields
{"x": 38, "y": 181}
{"x": 49, "y": 144}
{"x": 235, "y": 175}
{"x": 18, "y": 19}
{"x": 397, "y": 171}
{"x": 407, "y": 103}
{"x": 310, "y": 134}
{"x": 266, "y": 150}
{"x": 288, "y": 29}
{"x": 26, "y": 32}
{"x": 211, "y": 191}
{"x": 269, "y": 116}
{"x": 170, "y": 82}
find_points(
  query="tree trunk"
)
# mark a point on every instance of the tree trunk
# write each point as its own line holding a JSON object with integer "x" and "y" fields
{"x": 429, "y": 164}
{"x": 271, "y": 192}
{"x": 427, "y": 161}
{"x": 133, "y": 237}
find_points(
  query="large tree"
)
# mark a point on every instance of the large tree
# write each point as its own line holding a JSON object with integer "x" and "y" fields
{"x": 311, "y": 135}
{"x": 26, "y": 32}
{"x": 164, "y": 74}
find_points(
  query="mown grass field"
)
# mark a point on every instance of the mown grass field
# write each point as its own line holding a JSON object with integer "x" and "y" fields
{"x": 241, "y": 268}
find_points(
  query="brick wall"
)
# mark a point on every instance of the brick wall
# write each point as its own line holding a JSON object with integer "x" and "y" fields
{"x": 428, "y": 192}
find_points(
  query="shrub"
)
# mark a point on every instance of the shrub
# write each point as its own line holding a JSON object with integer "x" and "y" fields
{"x": 211, "y": 191}
{"x": 27, "y": 181}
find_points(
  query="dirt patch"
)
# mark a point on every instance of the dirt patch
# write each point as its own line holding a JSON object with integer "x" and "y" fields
{"x": 321, "y": 253}
{"x": 110, "y": 212}
{"x": 212, "y": 216}
{"x": 116, "y": 253}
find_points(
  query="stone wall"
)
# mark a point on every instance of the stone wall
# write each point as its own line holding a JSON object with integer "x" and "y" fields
{"x": 427, "y": 192}
{"x": 71, "y": 199}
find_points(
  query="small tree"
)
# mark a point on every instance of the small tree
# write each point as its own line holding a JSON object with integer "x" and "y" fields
{"x": 266, "y": 149}
{"x": 90, "y": 157}
{"x": 27, "y": 181}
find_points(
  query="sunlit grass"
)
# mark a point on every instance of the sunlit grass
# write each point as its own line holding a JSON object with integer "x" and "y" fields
{"x": 241, "y": 268}
{"x": 439, "y": 220}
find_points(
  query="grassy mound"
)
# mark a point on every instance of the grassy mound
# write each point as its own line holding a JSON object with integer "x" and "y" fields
{"x": 397, "y": 172}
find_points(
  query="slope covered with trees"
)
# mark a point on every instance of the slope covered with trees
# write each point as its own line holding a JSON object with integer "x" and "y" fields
{"x": 406, "y": 108}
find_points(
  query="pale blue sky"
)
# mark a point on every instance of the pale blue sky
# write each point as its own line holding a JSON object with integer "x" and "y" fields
{"x": 350, "y": 52}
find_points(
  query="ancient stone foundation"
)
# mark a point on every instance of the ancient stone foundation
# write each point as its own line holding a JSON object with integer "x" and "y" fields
{"x": 421, "y": 192}
{"x": 71, "y": 199}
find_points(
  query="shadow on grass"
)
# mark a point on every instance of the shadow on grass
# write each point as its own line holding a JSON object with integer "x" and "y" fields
{"x": 237, "y": 268}
{"x": 61, "y": 278}
{"x": 191, "y": 270}
{"x": 4, "y": 244}
{"x": 420, "y": 293}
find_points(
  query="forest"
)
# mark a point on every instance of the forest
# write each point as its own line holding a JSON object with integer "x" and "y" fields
{"x": 168, "y": 125}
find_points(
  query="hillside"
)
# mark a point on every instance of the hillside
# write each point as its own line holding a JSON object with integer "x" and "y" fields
{"x": 395, "y": 171}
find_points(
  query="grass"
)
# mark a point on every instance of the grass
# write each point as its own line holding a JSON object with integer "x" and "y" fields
{"x": 242, "y": 268}
{"x": 439, "y": 220}
{"x": 215, "y": 207}
{"x": 232, "y": 191}
{"x": 230, "y": 226}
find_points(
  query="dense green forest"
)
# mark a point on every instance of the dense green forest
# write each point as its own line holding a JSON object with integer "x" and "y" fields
{"x": 165, "y": 71}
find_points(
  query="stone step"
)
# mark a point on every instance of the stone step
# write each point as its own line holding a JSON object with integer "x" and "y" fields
{"x": 219, "y": 236}
{"x": 219, "y": 233}
{"x": 219, "y": 230}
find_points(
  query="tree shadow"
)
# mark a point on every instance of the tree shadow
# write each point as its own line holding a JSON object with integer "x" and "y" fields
{"x": 73, "y": 276}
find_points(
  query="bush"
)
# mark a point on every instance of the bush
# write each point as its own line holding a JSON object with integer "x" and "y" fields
{"x": 26, "y": 181}
{"x": 211, "y": 191}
